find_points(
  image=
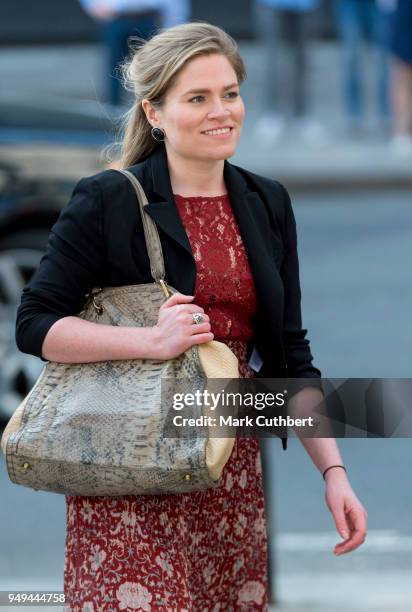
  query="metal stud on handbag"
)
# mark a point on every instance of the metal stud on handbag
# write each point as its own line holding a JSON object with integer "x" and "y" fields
{"x": 98, "y": 428}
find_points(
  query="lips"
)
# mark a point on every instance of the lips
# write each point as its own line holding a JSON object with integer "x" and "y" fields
{"x": 224, "y": 129}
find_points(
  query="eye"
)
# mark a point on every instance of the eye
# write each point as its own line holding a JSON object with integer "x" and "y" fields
{"x": 199, "y": 98}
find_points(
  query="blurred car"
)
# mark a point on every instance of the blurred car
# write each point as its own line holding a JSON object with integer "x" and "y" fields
{"x": 28, "y": 209}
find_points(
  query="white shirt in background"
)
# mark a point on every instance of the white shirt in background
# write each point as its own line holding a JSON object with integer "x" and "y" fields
{"x": 173, "y": 11}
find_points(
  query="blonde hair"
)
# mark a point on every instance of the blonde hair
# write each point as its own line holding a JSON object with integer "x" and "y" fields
{"x": 153, "y": 68}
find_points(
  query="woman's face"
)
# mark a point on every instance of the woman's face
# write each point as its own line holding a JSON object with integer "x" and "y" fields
{"x": 203, "y": 112}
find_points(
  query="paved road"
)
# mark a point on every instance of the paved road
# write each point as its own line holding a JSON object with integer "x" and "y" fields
{"x": 355, "y": 251}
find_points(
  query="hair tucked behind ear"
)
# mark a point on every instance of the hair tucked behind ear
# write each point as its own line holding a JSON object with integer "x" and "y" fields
{"x": 152, "y": 69}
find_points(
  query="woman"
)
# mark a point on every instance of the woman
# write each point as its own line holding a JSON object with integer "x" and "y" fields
{"x": 229, "y": 244}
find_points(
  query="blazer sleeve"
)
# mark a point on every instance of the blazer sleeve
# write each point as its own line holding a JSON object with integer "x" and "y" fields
{"x": 296, "y": 345}
{"x": 70, "y": 268}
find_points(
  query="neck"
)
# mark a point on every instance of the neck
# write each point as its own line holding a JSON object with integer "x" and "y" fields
{"x": 191, "y": 177}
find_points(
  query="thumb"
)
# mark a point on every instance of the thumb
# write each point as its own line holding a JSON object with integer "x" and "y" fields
{"x": 340, "y": 522}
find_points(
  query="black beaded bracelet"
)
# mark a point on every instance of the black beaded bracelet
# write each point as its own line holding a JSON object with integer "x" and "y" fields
{"x": 330, "y": 467}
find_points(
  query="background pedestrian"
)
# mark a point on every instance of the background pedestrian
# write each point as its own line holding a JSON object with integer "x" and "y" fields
{"x": 281, "y": 29}
{"x": 120, "y": 19}
{"x": 358, "y": 22}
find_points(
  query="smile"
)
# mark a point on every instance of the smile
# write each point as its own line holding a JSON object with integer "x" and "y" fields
{"x": 218, "y": 132}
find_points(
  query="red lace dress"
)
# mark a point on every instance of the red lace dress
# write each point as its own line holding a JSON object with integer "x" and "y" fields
{"x": 195, "y": 552}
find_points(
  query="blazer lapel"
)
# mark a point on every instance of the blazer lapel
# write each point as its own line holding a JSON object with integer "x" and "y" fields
{"x": 254, "y": 226}
{"x": 251, "y": 217}
{"x": 162, "y": 206}
{"x": 166, "y": 216}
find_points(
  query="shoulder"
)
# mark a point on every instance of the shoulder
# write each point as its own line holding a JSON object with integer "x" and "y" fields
{"x": 273, "y": 193}
{"x": 101, "y": 183}
{"x": 268, "y": 186}
{"x": 107, "y": 192}
{"x": 89, "y": 203}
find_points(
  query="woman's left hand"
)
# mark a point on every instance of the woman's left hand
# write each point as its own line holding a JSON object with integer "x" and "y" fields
{"x": 349, "y": 514}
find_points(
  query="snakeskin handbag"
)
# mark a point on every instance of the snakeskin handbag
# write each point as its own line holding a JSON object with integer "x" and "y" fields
{"x": 99, "y": 428}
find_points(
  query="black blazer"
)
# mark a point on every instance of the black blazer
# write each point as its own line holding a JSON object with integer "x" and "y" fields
{"x": 98, "y": 240}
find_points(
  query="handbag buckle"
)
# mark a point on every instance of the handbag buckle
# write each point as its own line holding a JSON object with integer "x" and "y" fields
{"x": 98, "y": 307}
{"x": 165, "y": 288}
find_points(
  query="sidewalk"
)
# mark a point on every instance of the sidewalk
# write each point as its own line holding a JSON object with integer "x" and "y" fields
{"x": 45, "y": 79}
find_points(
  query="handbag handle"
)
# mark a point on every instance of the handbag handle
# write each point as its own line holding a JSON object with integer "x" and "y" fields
{"x": 153, "y": 245}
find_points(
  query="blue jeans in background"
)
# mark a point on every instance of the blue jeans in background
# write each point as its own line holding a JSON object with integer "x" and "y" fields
{"x": 358, "y": 20}
{"x": 282, "y": 37}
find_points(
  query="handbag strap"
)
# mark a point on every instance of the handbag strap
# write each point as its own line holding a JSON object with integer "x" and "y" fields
{"x": 153, "y": 245}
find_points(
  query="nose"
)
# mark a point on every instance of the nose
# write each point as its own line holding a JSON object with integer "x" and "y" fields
{"x": 218, "y": 110}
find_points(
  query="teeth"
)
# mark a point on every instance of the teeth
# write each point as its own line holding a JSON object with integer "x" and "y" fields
{"x": 221, "y": 131}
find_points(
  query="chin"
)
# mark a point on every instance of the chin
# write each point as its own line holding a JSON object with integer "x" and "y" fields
{"x": 218, "y": 153}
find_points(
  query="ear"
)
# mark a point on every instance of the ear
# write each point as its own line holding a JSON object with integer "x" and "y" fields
{"x": 151, "y": 114}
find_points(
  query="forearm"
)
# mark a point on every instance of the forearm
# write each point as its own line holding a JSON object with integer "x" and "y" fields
{"x": 74, "y": 340}
{"x": 323, "y": 451}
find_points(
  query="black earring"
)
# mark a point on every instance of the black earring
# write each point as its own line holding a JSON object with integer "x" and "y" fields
{"x": 158, "y": 134}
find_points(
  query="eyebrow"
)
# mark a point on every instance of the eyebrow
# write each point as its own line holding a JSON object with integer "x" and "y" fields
{"x": 200, "y": 90}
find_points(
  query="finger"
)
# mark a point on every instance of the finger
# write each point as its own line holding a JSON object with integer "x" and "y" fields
{"x": 201, "y": 338}
{"x": 199, "y": 328}
{"x": 341, "y": 547}
{"x": 177, "y": 298}
{"x": 342, "y": 527}
{"x": 357, "y": 520}
{"x": 355, "y": 540}
{"x": 190, "y": 321}
{"x": 357, "y": 517}
{"x": 358, "y": 534}
{"x": 189, "y": 308}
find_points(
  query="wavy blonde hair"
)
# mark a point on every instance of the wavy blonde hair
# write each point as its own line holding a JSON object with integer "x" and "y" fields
{"x": 153, "y": 68}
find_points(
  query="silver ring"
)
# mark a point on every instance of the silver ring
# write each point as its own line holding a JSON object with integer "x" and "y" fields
{"x": 197, "y": 318}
